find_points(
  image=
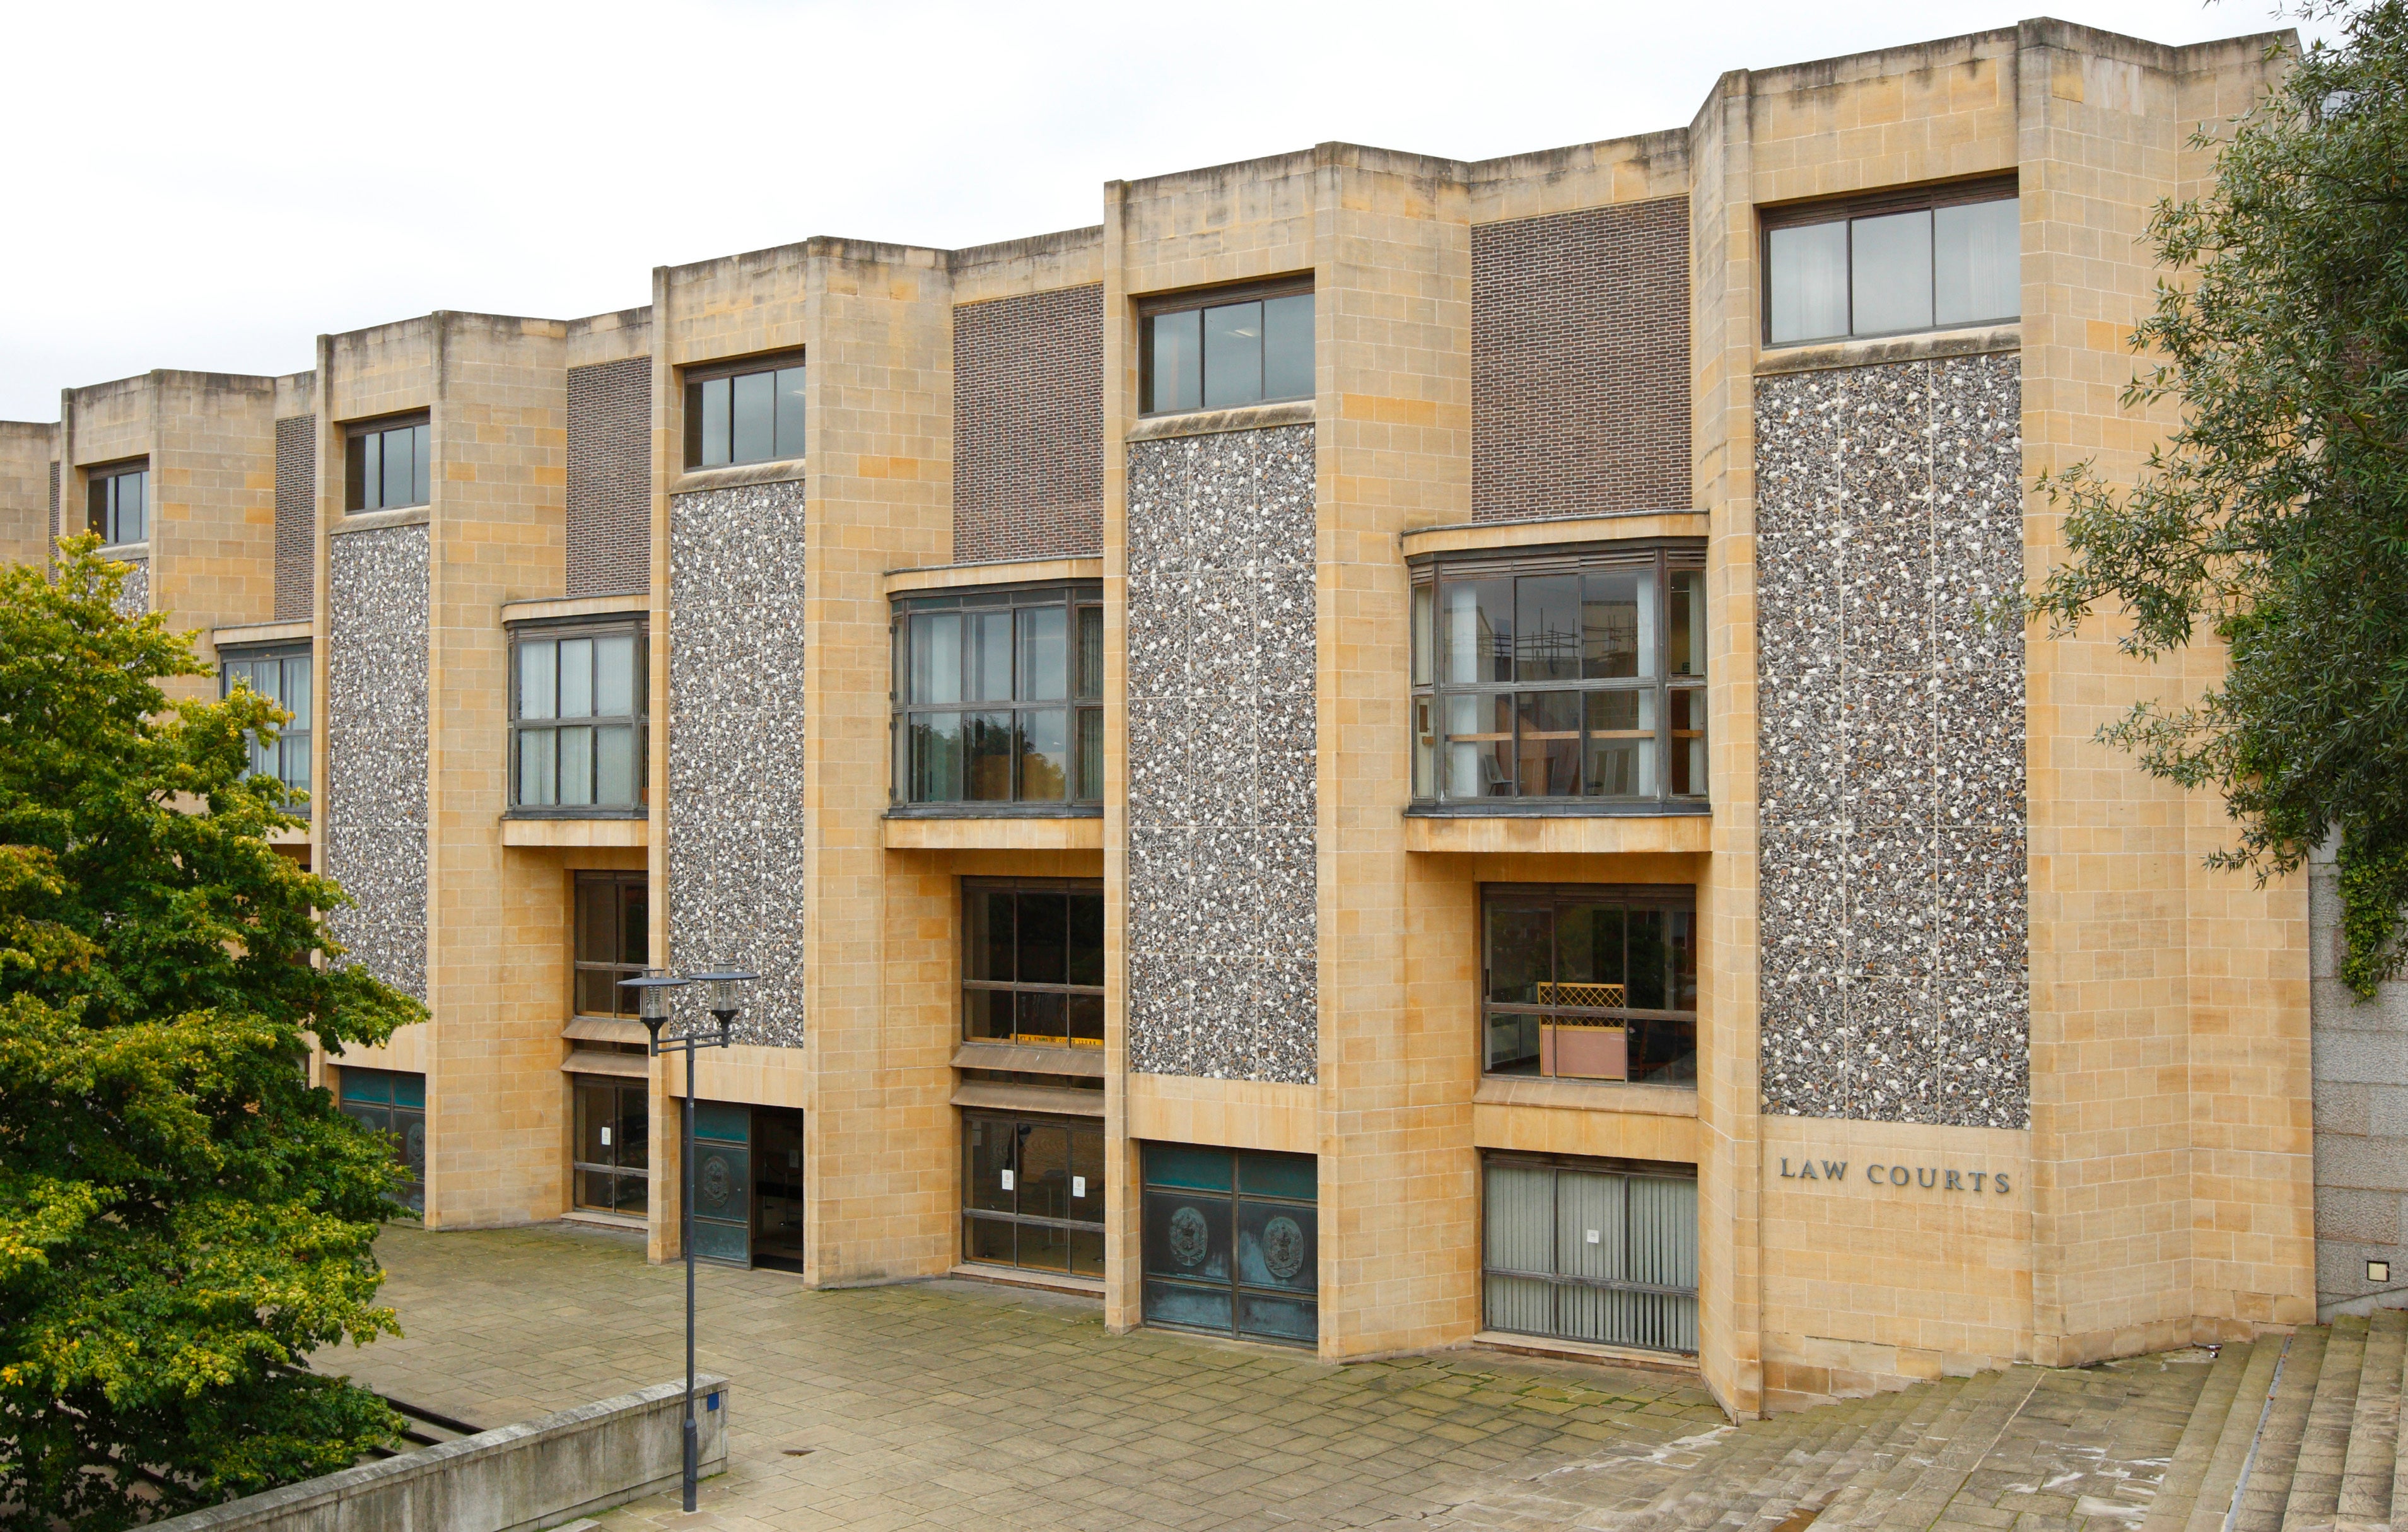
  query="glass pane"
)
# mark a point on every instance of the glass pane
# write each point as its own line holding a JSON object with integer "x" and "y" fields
{"x": 634, "y": 921}
{"x": 614, "y": 765}
{"x": 1617, "y": 623}
{"x": 1186, "y": 1235}
{"x": 1550, "y": 744}
{"x": 1680, "y": 933}
{"x": 987, "y": 1013}
{"x": 1546, "y": 628}
{"x": 598, "y": 993}
{"x": 1263, "y": 1174}
{"x": 1423, "y": 596}
{"x": 1651, "y": 960}
{"x": 987, "y": 757}
{"x": 989, "y": 1174}
{"x": 1589, "y": 958}
{"x": 1176, "y": 378}
{"x": 1085, "y": 944}
{"x": 1041, "y": 1017}
{"x": 1977, "y": 262}
{"x": 986, "y": 922}
{"x": 1090, "y": 755}
{"x": 1181, "y": 1165}
{"x": 1425, "y": 746}
{"x": 936, "y": 657}
{"x": 296, "y": 691}
{"x": 133, "y": 506}
{"x": 399, "y": 457}
{"x": 632, "y": 1193}
{"x": 1287, "y": 347}
{"x": 1044, "y": 1248}
{"x": 988, "y": 665}
{"x": 714, "y": 421}
{"x": 1045, "y": 1170}
{"x": 355, "y": 480}
{"x": 1521, "y": 953}
{"x": 1688, "y": 760}
{"x": 1889, "y": 272}
{"x": 790, "y": 412}
{"x": 1086, "y": 1175}
{"x": 935, "y": 742}
{"x": 597, "y": 1118}
{"x": 635, "y": 1127}
{"x": 694, "y": 425}
{"x": 1621, "y": 745}
{"x": 1091, "y": 651}
{"x": 1278, "y": 1246}
{"x": 1520, "y": 1225}
{"x": 1479, "y": 746}
{"x": 1086, "y": 1252}
{"x": 421, "y": 439}
{"x": 614, "y": 675}
{"x": 1044, "y": 755}
{"x": 755, "y": 417}
{"x": 1044, "y": 652}
{"x": 575, "y": 765}
{"x": 371, "y": 469}
{"x": 594, "y": 1190}
{"x": 297, "y": 761}
{"x": 1084, "y": 1016}
{"x": 1045, "y": 938}
{"x": 1232, "y": 355}
{"x": 538, "y": 764}
{"x": 1808, "y": 285}
{"x": 597, "y": 921}
{"x": 987, "y": 1240}
{"x": 577, "y": 677}
{"x": 1292, "y": 1320}
{"x": 1187, "y": 1306}
{"x": 1479, "y": 630}
{"x": 1684, "y": 638}
{"x": 538, "y": 664}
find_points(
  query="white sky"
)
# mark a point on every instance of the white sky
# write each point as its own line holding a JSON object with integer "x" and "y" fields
{"x": 210, "y": 186}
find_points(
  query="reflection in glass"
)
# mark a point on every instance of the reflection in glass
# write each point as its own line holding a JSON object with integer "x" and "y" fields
{"x": 1547, "y": 616}
{"x": 1044, "y": 653}
{"x": 1287, "y": 347}
{"x": 1685, "y": 636}
{"x": 1809, "y": 287}
{"x": 1688, "y": 757}
{"x": 986, "y": 754}
{"x": 753, "y": 415}
{"x": 1977, "y": 262}
{"x": 1621, "y": 761}
{"x": 1549, "y": 727}
{"x": 986, "y": 670}
{"x": 1617, "y": 624}
{"x": 577, "y": 677}
{"x": 936, "y": 757}
{"x": 1044, "y": 755}
{"x": 935, "y": 656}
{"x": 1232, "y": 355}
{"x": 790, "y": 412}
{"x": 1480, "y": 745}
{"x": 1175, "y": 378}
{"x": 1889, "y": 273}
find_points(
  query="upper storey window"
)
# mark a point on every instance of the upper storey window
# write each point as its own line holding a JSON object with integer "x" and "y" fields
{"x": 1916, "y": 261}
{"x": 1234, "y": 346}
{"x": 121, "y": 501}
{"x": 386, "y": 465}
{"x": 283, "y": 676}
{"x": 577, "y": 719}
{"x": 1572, "y": 676}
{"x": 751, "y": 413}
{"x": 997, "y": 696}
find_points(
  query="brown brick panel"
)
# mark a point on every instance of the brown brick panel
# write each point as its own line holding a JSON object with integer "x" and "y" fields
{"x": 610, "y": 532}
{"x": 54, "y": 503}
{"x": 296, "y": 505}
{"x": 1028, "y": 427}
{"x": 1580, "y": 362}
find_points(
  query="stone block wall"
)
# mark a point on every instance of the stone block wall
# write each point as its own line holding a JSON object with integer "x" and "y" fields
{"x": 377, "y": 749}
{"x": 1890, "y": 773}
{"x": 1220, "y": 952}
{"x": 736, "y": 822}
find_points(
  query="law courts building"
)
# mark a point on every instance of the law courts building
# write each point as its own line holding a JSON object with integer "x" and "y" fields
{"x": 1372, "y": 754}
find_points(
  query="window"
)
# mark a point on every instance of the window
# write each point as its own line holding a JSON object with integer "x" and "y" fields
{"x": 385, "y": 466}
{"x": 751, "y": 413}
{"x": 393, "y": 1104}
{"x": 1033, "y": 1194}
{"x": 1919, "y": 261}
{"x": 1590, "y": 1249}
{"x": 613, "y": 1146}
{"x": 1231, "y": 1245}
{"x": 1578, "y": 677}
{"x": 119, "y": 499}
{"x": 577, "y": 719}
{"x": 998, "y": 696}
{"x": 1033, "y": 963}
{"x": 1588, "y": 982}
{"x": 283, "y": 676}
{"x": 1212, "y": 351}
{"x": 614, "y": 936}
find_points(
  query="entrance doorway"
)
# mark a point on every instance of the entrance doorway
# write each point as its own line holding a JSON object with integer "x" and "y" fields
{"x": 748, "y": 1185}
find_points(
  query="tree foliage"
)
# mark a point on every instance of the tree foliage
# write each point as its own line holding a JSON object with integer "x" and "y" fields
{"x": 2276, "y": 517}
{"x": 184, "y": 1219}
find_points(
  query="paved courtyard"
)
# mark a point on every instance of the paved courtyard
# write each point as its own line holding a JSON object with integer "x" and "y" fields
{"x": 957, "y": 1404}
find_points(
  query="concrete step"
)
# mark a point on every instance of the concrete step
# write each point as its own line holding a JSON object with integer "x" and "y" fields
{"x": 2269, "y": 1360}
{"x": 2266, "y": 1492}
{"x": 2188, "y": 1469}
{"x": 2324, "y": 1439}
{"x": 1728, "y": 1493}
{"x": 1914, "y": 1488}
{"x": 2366, "y": 1501}
{"x": 1909, "y": 1433}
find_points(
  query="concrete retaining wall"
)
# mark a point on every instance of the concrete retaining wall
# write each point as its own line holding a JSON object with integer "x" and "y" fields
{"x": 538, "y": 1474}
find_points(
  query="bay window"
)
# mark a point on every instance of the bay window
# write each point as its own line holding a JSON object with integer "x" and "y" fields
{"x": 998, "y": 699}
{"x": 577, "y": 720}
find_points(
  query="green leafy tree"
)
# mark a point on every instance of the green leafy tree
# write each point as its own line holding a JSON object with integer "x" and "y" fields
{"x": 184, "y": 1219}
{"x": 2276, "y": 517}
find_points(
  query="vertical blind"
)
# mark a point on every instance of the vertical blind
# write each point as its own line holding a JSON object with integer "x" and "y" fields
{"x": 1597, "y": 1255}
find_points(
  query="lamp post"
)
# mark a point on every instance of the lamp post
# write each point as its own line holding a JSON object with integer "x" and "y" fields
{"x": 652, "y": 1005}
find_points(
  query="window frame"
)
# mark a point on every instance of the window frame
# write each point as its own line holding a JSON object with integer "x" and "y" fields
{"x": 1080, "y": 705}
{"x": 284, "y": 651}
{"x": 101, "y": 483}
{"x": 388, "y": 1114}
{"x": 579, "y": 964}
{"x": 1672, "y": 897}
{"x": 1294, "y": 284}
{"x": 692, "y": 379}
{"x": 1015, "y": 987}
{"x": 1557, "y": 1281}
{"x": 578, "y": 1169}
{"x": 553, "y": 630}
{"x": 1662, "y": 558}
{"x": 355, "y": 433}
{"x": 1843, "y": 210}
{"x": 1022, "y": 1125}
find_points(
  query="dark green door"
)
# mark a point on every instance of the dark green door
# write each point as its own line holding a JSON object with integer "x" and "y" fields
{"x": 723, "y": 1183}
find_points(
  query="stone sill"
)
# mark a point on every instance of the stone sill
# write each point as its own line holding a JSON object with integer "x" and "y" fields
{"x": 1552, "y": 531}
{"x": 1586, "y": 1095}
{"x": 1012, "y": 1276}
{"x": 123, "y": 552}
{"x": 583, "y": 606}
{"x": 741, "y": 476}
{"x": 1206, "y": 422}
{"x": 1820, "y": 356}
{"x": 1561, "y": 835}
{"x": 996, "y": 832}
{"x": 577, "y": 833}
{"x": 1582, "y": 1350}
{"x": 605, "y": 1220}
{"x": 948, "y": 577}
{"x": 260, "y": 633}
{"x": 1061, "y": 1100}
{"x": 376, "y": 520}
{"x": 1028, "y": 1058}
